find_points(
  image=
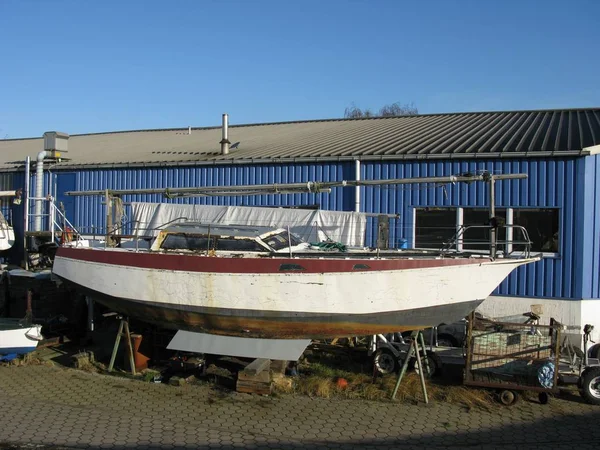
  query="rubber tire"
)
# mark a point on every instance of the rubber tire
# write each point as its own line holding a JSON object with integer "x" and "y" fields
{"x": 385, "y": 361}
{"x": 594, "y": 352}
{"x": 544, "y": 398}
{"x": 591, "y": 376}
{"x": 508, "y": 397}
{"x": 433, "y": 364}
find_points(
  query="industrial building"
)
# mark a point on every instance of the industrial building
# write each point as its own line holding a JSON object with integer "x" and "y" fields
{"x": 559, "y": 202}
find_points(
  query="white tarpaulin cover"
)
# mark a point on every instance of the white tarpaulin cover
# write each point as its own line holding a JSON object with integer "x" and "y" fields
{"x": 311, "y": 225}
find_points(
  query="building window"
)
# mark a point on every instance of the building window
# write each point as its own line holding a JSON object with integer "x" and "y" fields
{"x": 542, "y": 226}
{"x": 477, "y": 236}
{"x": 434, "y": 227}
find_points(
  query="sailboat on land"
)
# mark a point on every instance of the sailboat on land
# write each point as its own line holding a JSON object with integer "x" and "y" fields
{"x": 257, "y": 282}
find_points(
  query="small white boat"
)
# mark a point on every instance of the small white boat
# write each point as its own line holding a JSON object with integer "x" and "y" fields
{"x": 7, "y": 234}
{"x": 18, "y": 338}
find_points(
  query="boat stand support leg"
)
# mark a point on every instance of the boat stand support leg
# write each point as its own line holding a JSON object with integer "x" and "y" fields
{"x": 413, "y": 350}
{"x": 129, "y": 347}
{"x": 116, "y": 347}
{"x": 422, "y": 342}
{"x": 420, "y": 365}
{"x": 123, "y": 331}
{"x": 403, "y": 370}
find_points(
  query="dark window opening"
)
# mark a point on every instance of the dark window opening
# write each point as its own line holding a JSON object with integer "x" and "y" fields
{"x": 187, "y": 242}
{"x": 434, "y": 227}
{"x": 542, "y": 226}
{"x": 360, "y": 267}
{"x": 239, "y": 245}
{"x": 478, "y": 237}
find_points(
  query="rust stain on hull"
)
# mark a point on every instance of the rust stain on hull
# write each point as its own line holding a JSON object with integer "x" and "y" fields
{"x": 266, "y": 328}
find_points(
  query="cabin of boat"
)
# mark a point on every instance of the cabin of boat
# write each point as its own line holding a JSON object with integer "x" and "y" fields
{"x": 227, "y": 239}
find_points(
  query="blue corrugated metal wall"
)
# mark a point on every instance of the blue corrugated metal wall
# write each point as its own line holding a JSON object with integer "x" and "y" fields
{"x": 89, "y": 212}
{"x": 589, "y": 236}
{"x": 551, "y": 183}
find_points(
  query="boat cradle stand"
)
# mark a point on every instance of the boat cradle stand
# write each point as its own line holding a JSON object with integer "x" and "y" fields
{"x": 416, "y": 341}
{"x": 123, "y": 332}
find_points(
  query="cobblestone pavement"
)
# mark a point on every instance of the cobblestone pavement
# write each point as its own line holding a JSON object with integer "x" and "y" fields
{"x": 56, "y": 407}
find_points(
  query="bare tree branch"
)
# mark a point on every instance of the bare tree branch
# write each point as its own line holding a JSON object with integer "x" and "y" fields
{"x": 393, "y": 109}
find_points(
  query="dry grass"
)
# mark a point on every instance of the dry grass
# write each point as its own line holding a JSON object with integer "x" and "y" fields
{"x": 28, "y": 359}
{"x": 320, "y": 380}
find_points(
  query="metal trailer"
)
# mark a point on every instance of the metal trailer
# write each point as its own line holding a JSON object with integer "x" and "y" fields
{"x": 390, "y": 351}
{"x": 577, "y": 367}
{"x": 512, "y": 357}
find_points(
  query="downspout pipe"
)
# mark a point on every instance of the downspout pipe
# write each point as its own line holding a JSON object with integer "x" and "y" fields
{"x": 357, "y": 188}
{"x": 39, "y": 188}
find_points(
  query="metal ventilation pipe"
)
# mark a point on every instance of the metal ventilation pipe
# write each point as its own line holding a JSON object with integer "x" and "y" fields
{"x": 357, "y": 188}
{"x": 39, "y": 189}
{"x": 225, "y": 141}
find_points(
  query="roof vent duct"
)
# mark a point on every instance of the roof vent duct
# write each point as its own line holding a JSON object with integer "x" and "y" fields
{"x": 55, "y": 141}
{"x": 225, "y": 141}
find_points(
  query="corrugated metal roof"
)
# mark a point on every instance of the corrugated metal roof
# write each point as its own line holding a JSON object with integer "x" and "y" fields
{"x": 484, "y": 134}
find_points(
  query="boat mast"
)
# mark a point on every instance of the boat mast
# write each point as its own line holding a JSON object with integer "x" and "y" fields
{"x": 312, "y": 187}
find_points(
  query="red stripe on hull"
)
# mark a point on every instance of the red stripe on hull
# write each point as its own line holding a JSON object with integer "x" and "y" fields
{"x": 200, "y": 263}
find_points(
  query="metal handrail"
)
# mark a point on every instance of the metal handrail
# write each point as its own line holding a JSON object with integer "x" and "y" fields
{"x": 66, "y": 221}
{"x": 159, "y": 227}
{"x": 55, "y": 217}
{"x": 458, "y": 239}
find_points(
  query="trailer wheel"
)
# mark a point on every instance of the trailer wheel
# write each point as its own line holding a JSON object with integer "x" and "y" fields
{"x": 507, "y": 397}
{"x": 434, "y": 365}
{"x": 544, "y": 398}
{"x": 385, "y": 361}
{"x": 590, "y": 386}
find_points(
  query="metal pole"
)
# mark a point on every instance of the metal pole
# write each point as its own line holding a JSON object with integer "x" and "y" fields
{"x": 422, "y": 342}
{"x": 129, "y": 347}
{"x": 90, "y": 318}
{"x": 311, "y": 187}
{"x": 116, "y": 347}
{"x": 403, "y": 370}
{"x": 492, "y": 192}
{"x": 420, "y": 365}
{"x": 357, "y": 188}
{"x": 26, "y": 208}
{"x": 52, "y": 218}
{"x": 108, "y": 201}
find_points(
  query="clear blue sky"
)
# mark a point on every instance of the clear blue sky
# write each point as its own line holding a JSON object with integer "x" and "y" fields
{"x": 83, "y": 66}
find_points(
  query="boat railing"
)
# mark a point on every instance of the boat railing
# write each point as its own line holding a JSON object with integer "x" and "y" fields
{"x": 508, "y": 246}
{"x": 52, "y": 221}
{"x": 139, "y": 232}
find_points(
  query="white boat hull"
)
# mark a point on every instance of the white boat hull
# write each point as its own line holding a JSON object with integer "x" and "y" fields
{"x": 254, "y": 298}
{"x": 19, "y": 340}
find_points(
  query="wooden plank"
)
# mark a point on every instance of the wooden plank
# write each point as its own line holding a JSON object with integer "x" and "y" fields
{"x": 254, "y": 384}
{"x": 250, "y": 387}
{"x": 257, "y": 366}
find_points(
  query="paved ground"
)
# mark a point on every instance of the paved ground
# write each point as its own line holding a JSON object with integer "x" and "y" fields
{"x": 57, "y": 407}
